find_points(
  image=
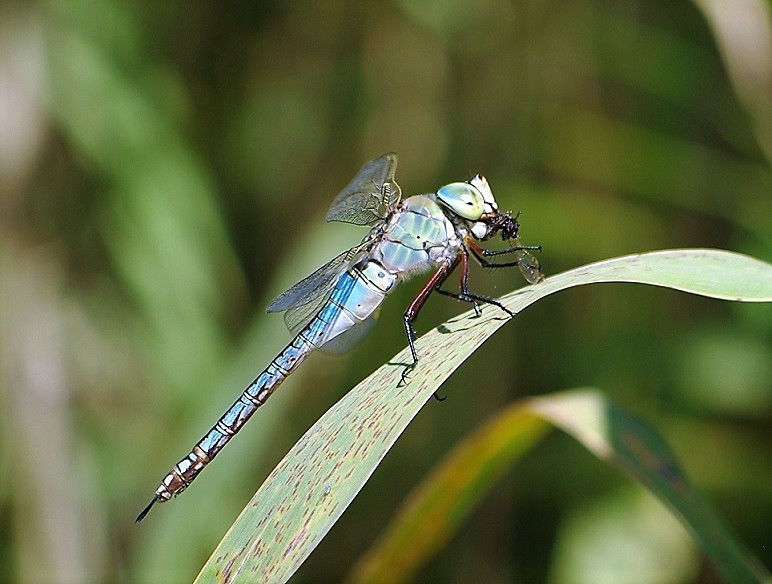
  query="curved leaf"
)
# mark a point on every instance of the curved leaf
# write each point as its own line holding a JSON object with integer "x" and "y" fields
{"x": 317, "y": 480}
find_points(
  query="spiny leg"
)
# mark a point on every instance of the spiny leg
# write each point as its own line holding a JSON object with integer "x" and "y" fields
{"x": 464, "y": 281}
{"x": 475, "y": 299}
{"x": 527, "y": 264}
{"x": 466, "y": 296}
{"x": 513, "y": 249}
{"x": 481, "y": 253}
{"x": 411, "y": 313}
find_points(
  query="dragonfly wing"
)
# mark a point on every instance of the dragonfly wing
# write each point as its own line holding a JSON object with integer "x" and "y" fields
{"x": 308, "y": 288}
{"x": 371, "y": 194}
{"x": 303, "y": 300}
{"x": 529, "y": 266}
{"x": 299, "y": 316}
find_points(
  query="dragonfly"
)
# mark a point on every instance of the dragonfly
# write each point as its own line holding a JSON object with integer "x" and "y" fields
{"x": 338, "y": 304}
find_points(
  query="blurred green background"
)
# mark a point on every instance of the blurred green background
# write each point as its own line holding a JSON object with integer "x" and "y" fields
{"x": 165, "y": 168}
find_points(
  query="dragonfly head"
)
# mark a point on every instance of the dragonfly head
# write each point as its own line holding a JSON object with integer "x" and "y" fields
{"x": 492, "y": 221}
{"x": 463, "y": 199}
{"x": 473, "y": 201}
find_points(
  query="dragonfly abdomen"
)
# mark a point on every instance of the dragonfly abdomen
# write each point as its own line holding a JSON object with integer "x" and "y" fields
{"x": 357, "y": 295}
{"x": 255, "y": 395}
{"x": 351, "y": 309}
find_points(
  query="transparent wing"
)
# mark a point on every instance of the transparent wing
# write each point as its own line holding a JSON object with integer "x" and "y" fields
{"x": 299, "y": 316}
{"x": 371, "y": 194}
{"x": 303, "y": 300}
{"x": 528, "y": 265}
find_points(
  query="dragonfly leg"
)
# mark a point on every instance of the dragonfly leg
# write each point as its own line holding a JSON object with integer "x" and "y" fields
{"x": 513, "y": 249}
{"x": 525, "y": 262}
{"x": 410, "y": 332}
{"x": 464, "y": 281}
{"x": 467, "y": 296}
{"x": 475, "y": 299}
{"x": 481, "y": 253}
{"x": 411, "y": 313}
{"x": 491, "y": 266}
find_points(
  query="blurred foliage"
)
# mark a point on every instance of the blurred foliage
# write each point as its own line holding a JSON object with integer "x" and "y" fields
{"x": 164, "y": 172}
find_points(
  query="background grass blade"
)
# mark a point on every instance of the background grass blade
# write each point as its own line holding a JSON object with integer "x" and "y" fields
{"x": 616, "y": 435}
{"x": 443, "y": 501}
{"x": 317, "y": 480}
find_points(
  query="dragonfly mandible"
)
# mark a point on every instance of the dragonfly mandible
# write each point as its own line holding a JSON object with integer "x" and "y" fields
{"x": 337, "y": 305}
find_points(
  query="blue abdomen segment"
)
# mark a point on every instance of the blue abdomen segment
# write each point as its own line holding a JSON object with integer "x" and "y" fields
{"x": 357, "y": 296}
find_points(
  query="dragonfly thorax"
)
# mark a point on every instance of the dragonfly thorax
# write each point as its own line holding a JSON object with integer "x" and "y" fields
{"x": 418, "y": 237}
{"x": 473, "y": 209}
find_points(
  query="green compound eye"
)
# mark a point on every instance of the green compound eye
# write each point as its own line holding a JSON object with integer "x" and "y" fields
{"x": 463, "y": 199}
